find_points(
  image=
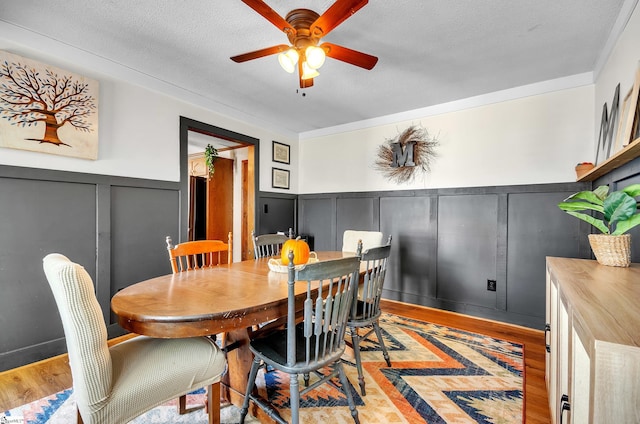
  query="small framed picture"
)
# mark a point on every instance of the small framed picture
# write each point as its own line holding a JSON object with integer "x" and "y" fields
{"x": 281, "y": 152}
{"x": 279, "y": 178}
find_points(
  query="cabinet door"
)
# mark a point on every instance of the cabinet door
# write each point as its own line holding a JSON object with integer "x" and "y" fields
{"x": 552, "y": 364}
{"x": 563, "y": 414}
{"x": 580, "y": 380}
{"x": 551, "y": 358}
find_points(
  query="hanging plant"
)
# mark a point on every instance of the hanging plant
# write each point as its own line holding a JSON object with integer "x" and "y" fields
{"x": 423, "y": 154}
{"x": 210, "y": 156}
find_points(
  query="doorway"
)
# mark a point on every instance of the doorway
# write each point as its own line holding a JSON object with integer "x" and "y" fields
{"x": 221, "y": 214}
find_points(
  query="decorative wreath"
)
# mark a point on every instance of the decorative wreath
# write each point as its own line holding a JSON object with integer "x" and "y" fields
{"x": 423, "y": 155}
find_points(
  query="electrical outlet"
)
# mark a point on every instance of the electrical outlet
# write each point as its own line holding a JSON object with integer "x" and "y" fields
{"x": 491, "y": 285}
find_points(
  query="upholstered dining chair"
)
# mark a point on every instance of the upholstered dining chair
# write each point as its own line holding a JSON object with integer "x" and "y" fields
{"x": 116, "y": 384}
{"x": 317, "y": 342}
{"x": 369, "y": 239}
{"x": 267, "y": 245}
{"x": 365, "y": 311}
{"x": 198, "y": 254}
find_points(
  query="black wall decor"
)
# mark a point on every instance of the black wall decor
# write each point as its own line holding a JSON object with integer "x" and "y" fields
{"x": 405, "y": 156}
{"x": 608, "y": 127}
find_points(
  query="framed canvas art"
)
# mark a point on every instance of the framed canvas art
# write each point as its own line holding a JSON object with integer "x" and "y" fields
{"x": 47, "y": 109}
{"x": 280, "y": 153}
{"x": 279, "y": 178}
{"x": 631, "y": 115}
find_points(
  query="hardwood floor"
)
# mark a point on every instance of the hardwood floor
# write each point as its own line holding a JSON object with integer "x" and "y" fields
{"x": 30, "y": 382}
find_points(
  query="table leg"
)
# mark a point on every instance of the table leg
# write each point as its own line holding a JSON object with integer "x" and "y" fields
{"x": 239, "y": 362}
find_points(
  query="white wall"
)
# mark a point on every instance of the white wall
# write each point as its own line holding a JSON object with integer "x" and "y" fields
{"x": 238, "y": 155}
{"x": 509, "y": 140}
{"x": 620, "y": 67}
{"x": 536, "y": 139}
{"x": 528, "y": 140}
{"x": 138, "y": 122}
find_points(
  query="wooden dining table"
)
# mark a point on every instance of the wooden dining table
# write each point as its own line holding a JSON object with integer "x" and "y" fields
{"x": 230, "y": 298}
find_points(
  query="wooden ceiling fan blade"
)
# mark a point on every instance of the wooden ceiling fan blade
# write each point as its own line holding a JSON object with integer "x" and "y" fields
{"x": 335, "y": 15}
{"x": 271, "y": 15}
{"x": 260, "y": 53}
{"x": 350, "y": 56}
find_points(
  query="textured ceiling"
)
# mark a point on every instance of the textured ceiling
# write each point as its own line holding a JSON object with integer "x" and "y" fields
{"x": 430, "y": 51}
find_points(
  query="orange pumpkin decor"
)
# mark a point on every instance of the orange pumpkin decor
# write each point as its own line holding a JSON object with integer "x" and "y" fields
{"x": 300, "y": 251}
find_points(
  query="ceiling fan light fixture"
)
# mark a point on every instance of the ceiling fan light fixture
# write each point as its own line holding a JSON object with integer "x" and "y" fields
{"x": 315, "y": 56}
{"x": 304, "y": 29}
{"x": 288, "y": 60}
{"x": 308, "y": 72}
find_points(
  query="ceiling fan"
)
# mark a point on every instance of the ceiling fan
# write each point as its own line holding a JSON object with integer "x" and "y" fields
{"x": 304, "y": 29}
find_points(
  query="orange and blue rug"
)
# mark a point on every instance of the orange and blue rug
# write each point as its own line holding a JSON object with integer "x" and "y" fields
{"x": 438, "y": 375}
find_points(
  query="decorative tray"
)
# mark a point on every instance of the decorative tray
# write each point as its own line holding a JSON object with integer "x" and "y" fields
{"x": 276, "y": 265}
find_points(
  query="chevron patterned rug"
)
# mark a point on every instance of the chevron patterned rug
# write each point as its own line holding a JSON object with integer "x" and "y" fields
{"x": 438, "y": 375}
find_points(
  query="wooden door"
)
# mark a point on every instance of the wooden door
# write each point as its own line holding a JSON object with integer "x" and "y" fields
{"x": 247, "y": 244}
{"x": 220, "y": 201}
{"x": 248, "y": 203}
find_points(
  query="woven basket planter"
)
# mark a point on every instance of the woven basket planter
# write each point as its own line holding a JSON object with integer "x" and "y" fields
{"x": 611, "y": 250}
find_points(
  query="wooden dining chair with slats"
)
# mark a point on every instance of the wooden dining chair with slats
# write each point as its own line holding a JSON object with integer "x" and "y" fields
{"x": 365, "y": 311}
{"x": 194, "y": 255}
{"x": 316, "y": 343}
{"x": 267, "y": 245}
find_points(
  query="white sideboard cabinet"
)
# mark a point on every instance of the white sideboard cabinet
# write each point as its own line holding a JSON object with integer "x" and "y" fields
{"x": 592, "y": 339}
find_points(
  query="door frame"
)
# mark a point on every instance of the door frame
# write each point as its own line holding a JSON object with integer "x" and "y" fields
{"x": 188, "y": 124}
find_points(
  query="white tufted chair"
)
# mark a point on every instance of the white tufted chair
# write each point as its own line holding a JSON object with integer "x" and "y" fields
{"x": 114, "y": 385}
{"x": 369, "y": 239}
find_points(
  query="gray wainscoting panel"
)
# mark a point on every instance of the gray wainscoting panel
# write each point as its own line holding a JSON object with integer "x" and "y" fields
{"x": 537, "y": 229}
{"x": 141, "y": 218}
{"x": 448, "y": 242}
{"x": 356, "y": 213}
{"x": 411, "y": 221}
{"x": 276, "y": 213}
{"x": 317, "y": 219}
{"x": 467, "y": 243}
{"x": 37, "y": 218}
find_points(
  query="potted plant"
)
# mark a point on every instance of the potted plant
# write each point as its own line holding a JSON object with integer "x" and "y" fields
{"x": 210, "y": 156}
{"x": 616, "y": 213}
{"x": 583, "y": 167}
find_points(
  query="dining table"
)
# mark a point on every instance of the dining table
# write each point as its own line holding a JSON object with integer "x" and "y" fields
{"x": 227, "y": 298}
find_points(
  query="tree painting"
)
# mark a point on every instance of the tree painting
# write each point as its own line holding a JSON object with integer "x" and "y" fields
{"x": 49, "y": 106}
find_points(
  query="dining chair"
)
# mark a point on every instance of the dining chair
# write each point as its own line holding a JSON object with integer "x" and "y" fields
{"x": 317, "y": 342}
{"x": 369, "y": 239}
{"x": 194, "y": 255}
{"x": 198, "y": 254}
{"x": 365, "y": 310}
{"x": 267, "y": 245}
{"x": 116, "y": 384}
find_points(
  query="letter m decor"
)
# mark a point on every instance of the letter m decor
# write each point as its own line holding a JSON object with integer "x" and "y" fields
{"x": 402, "y": 157}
